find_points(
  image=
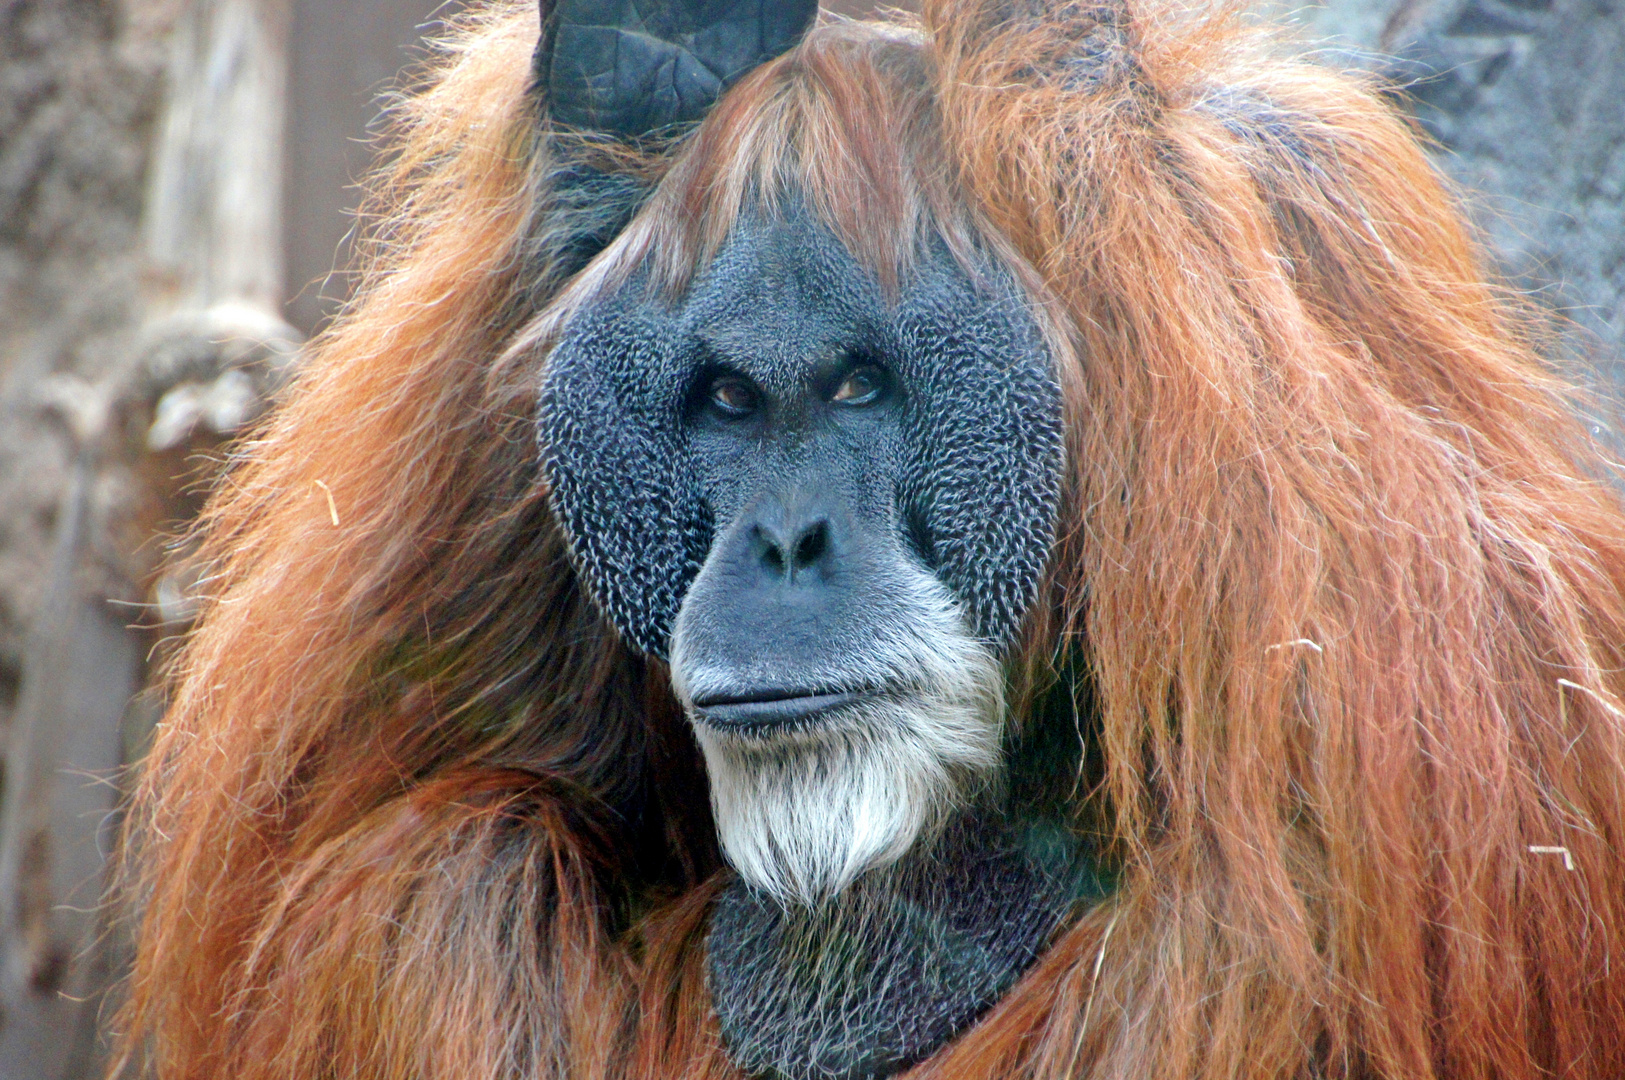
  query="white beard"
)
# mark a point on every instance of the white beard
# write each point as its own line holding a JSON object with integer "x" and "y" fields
{"x": 801, "y": 814}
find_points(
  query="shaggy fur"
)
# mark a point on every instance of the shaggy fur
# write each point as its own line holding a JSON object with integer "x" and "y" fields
{"x": 1338, "y": 577}
{"x": 907, "y": 958}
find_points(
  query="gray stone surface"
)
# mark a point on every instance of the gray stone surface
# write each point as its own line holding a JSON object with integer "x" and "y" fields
{"x": 1527, "y": 101}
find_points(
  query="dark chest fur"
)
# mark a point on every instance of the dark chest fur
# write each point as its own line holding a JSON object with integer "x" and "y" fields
{"x": 888, "y": 972}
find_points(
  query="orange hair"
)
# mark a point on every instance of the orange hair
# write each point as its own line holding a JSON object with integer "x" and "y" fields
{"x": 1340, "y": 569}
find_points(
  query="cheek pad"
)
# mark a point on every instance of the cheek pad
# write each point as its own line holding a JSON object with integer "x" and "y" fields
{"x": 982, "y": 467}
{"x": 985, "y": 454}
{"x": 620, "y": 481}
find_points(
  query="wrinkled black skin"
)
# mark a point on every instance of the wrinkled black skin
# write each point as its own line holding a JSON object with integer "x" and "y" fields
{"x": 630, "y": 68}
{"x": 958, "y": 468}
{"x": 955, "y": 467}
{"x": 805, "y": 507}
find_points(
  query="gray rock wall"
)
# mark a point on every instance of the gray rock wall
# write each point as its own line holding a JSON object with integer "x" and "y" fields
{"x": 1527, "y": 101}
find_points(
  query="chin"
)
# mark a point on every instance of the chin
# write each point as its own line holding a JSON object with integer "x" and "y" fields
{"x": 811, "y": 790}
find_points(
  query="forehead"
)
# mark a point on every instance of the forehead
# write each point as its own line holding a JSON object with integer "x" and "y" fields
{"x": 784, "y": 283}
{"x": 784, "y": 297}
{"x": 980, "y": 405}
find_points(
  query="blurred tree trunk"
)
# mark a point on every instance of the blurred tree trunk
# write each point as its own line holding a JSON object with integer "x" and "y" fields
{"x": 77, "y": 104}
{"x": 140, "y": 288}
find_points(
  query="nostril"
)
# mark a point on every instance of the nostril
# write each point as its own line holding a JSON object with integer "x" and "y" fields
{"x": 782, "y": 555}
{"x": 812, "y": 544}
{"x": 770, "y": 551}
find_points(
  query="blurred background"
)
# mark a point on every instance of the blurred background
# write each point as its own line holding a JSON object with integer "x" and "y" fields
{"x": 175, "y": 190}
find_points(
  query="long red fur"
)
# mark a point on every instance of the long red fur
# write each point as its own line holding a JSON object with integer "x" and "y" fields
{"x": 1340, "y": 565}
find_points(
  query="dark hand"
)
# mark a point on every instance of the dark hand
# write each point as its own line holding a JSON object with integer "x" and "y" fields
{"x": 631, "y": 67}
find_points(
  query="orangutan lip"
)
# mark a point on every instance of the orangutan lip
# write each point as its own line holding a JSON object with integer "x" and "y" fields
{"x": 767, "y": 713}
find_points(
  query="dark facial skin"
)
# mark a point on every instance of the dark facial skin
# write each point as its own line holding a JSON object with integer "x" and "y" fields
{"x": 723, "y": 429}
{"x": 813, "y": 522}
{"x": 796, "y": 429}
{"x": 831, "y": 512}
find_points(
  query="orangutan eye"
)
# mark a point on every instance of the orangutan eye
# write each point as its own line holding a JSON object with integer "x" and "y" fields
{"x": 862, "y": 386}
{"x": 733, "y": 397}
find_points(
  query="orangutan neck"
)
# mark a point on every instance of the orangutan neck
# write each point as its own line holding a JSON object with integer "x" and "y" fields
{"x": 889, "y": 971}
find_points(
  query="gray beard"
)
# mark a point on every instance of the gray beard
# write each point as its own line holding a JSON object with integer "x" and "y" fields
{"x": 802, "y": 814}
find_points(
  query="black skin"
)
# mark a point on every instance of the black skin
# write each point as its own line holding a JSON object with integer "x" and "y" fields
{"x": 631, "y": 68}
{"x": 802, "y": 436}
{"x": 721, "y": 426}
{"x": 802, "y": 468}
{"x": 796, "y": 431}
